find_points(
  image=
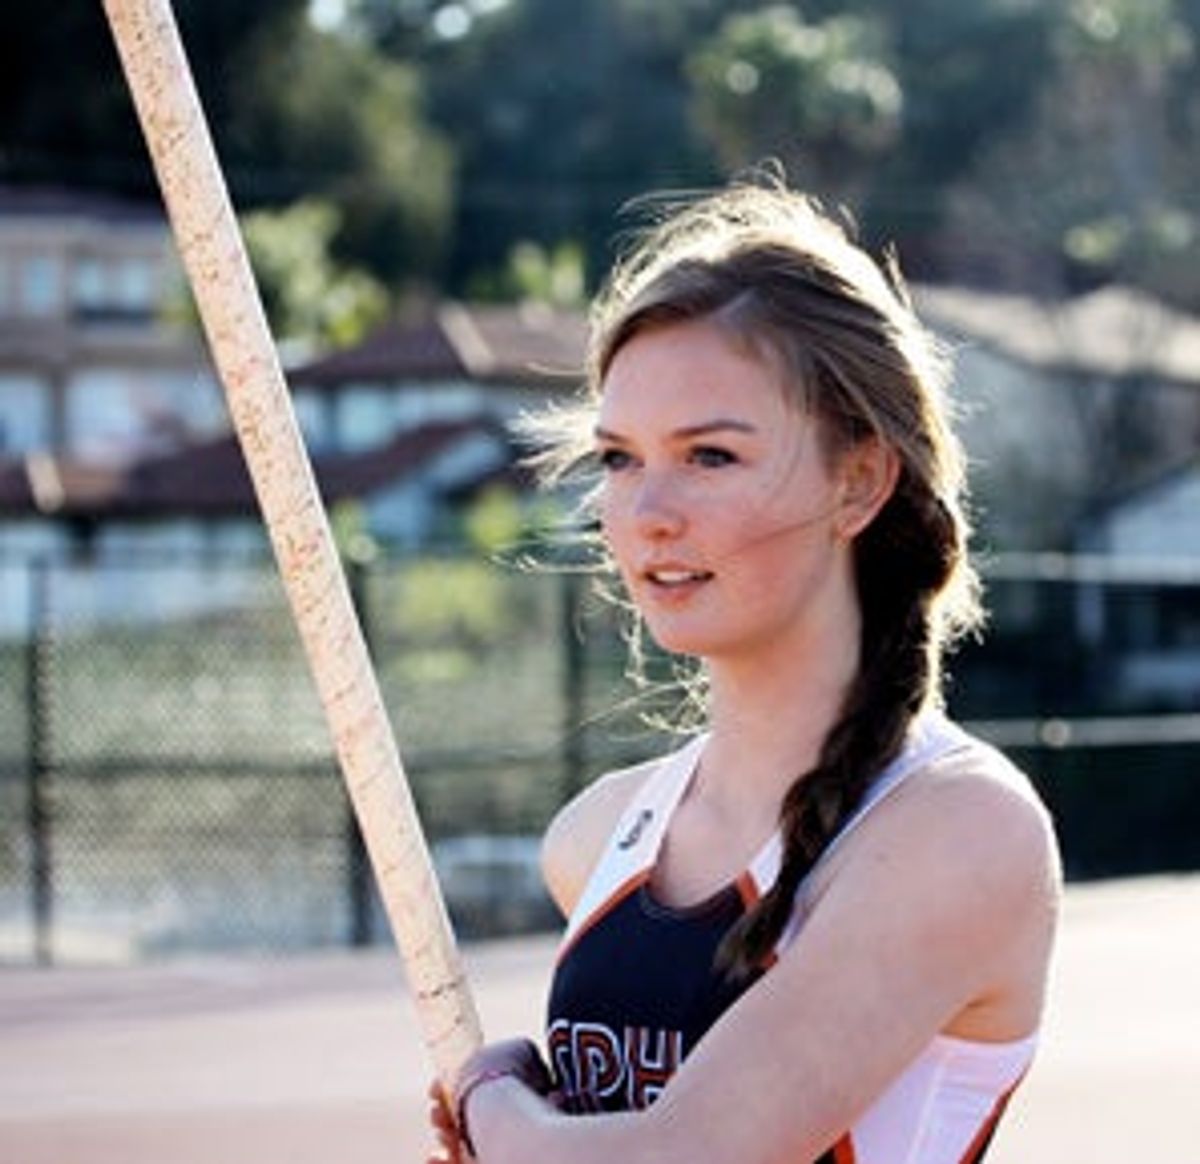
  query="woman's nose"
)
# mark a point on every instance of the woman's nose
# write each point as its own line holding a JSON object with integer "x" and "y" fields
{"x": 658, "y": 509}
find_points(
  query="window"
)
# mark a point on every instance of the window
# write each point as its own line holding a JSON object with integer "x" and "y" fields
{"x": 134, "y": 289}
{"x": 107, "y": 286}
{"x": 102, "y": 413}
{"x": 24, "y": 414}
{"x": 38, "y": 285}
{"x": 90, "y": 285}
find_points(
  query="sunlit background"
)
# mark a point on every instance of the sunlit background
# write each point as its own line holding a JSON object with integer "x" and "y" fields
{"x": 430, "y": 193}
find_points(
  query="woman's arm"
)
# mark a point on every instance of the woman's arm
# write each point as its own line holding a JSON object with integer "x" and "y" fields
{"x": 939, "y": 917}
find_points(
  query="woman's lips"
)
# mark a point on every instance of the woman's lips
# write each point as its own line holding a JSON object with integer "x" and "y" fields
{"x": 674, "y": 577}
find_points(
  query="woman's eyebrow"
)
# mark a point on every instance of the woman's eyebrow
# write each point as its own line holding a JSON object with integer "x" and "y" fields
{"x": 720, "y": 424}
{"x": 689, "y": 431}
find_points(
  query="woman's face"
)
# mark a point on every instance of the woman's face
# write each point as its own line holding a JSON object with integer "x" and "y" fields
{"x": 727, "y": 522}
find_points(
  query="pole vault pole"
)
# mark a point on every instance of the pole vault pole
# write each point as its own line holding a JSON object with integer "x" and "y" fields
{"x": 214, "y": 257}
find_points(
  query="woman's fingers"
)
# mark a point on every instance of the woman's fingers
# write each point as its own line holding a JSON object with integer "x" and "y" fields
{"x": 448, "y": 1145}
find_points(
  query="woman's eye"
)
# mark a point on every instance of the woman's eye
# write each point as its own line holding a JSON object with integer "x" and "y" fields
{"x": 613, "y": 460}
{"x": 712, "y": 457}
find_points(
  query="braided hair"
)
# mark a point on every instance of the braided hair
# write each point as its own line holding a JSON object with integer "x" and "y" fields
{"x": 787, "y": 282}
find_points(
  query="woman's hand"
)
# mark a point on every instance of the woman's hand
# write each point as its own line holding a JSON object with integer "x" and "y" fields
{"x": 517, "y": 1059}
{"x": 449, "y": 1145}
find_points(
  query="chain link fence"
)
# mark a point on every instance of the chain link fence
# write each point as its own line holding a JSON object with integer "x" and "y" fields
{"x": 166, "y": 777}
{"x": 167, "y": 783}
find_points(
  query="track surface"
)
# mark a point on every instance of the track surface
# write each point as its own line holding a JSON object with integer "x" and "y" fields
{"x": 316, "y": 1059}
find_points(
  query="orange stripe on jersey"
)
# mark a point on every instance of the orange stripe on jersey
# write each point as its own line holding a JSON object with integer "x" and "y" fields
{"x": 747, "y": 889}
{"x": 843, "y": 1151}
{"x": 983, "y": 1137}
{"x": 618, "y": 895}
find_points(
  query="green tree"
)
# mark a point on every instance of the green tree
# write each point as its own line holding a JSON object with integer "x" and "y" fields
{"x": 821, "y": 97}
{"x": 560, "y": 114}
{"x": 65, "y": 111}
{"x": 970, "y": 73}
{"x": 340, "y": 122}
{"x": 295, "y": 113}
{"x": 309, "y": 298}
{"x": 536, "y": 273}
{"x": 563, "y": 112}
{"x": 1101, "y": 184}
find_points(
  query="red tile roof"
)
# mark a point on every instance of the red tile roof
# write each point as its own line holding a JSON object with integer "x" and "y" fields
{"x": 207, "y": 479}
{"x": 526, "y": 345}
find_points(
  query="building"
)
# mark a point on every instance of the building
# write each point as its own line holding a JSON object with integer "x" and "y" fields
{"x": 1151, "y": 635}
{"x": 443, "y": 362}
{"x": 113, "y": 430}
{"x": 1062, "y": 402}
{"x": 91, "y": 365}
{"x": 114, "y": 436}
{"x": 1155, "y": 520}
{"x": 1059, "y": 402}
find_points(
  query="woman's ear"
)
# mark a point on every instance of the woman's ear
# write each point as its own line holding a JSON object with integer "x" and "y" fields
{"x": 867, "y": 473}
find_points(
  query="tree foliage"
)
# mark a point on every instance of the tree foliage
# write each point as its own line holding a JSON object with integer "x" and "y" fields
{"x": 1100, "y": 184}
{"x": 294, "y": 113}
{"x": 338, "y": 121}
{"x": 559, "y": 114}
{"x": 819, "y": 97}
{"x": 308, "y": 295}
{"x": 1041, "y": 143}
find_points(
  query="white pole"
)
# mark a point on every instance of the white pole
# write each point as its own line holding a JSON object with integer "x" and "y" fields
{"x": 214, "y": 256}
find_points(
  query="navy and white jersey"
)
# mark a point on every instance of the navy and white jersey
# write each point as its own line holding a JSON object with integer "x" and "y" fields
{"x": 635, "y": 986}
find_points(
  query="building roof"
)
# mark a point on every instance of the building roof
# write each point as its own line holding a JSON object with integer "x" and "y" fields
{"x": 1112, "y": 332}
{"x": 57, "y": 202}
{"x": 1147, "y": 489}
{"x": 525, "y": 345}
{"x": 208, "y": 479}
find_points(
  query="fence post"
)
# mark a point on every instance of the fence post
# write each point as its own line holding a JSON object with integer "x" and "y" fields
{"x": 573, "y": 758}
{"x": 39, "y": 647}
{"x": 358, "y": 873}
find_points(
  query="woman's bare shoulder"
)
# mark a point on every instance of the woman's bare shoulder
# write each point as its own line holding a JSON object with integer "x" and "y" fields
{"x": 987, "y": 786}
{"x": 976, "y": 802}
{"x": 581, "y": 828}
{"x": 956, "y": 875}
{"x": 967, "y": 827}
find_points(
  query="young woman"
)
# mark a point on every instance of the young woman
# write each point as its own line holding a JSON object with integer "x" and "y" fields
{"x": 820, "y": 930}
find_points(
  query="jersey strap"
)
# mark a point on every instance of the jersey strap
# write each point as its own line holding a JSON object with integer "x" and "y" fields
{"x": 629, "y": 856}
{"x": 930, "y": 737}
{"x": 631, "y": 850}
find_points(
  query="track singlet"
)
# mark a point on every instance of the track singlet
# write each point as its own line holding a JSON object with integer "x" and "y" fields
{"x": 635, "y": 987}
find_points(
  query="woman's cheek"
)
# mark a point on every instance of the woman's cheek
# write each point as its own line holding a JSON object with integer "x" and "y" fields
{"x": 611, "y": 508}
